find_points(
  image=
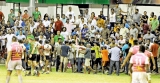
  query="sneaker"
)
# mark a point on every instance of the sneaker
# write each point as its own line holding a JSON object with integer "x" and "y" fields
{"x": 38, "y": 74}
{"x": 47, "y": 72}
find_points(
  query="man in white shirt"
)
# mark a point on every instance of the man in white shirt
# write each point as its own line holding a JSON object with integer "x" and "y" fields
{"x": 21, "y": 36}
{"x": 20, "y": 21}
{"x": 47, "y": 53}
{"x": 46, "y": 22}
{"x": 123, "y": 31}
{"x": 70, "y": 12}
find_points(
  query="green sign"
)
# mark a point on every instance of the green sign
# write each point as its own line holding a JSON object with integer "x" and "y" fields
{"x": 17, "y": 1}
{"x": 63, "y": 1}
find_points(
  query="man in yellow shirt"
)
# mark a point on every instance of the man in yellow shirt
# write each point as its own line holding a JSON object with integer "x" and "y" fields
{"x": 131, "y": 39}
{"x": 100, "y": 21}
{"x": 98, "y": 56}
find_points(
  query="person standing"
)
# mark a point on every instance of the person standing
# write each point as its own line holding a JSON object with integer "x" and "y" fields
{"x": 47, "y": 53}
{"x": 58, "y": 24}
{"x": 154, "y": 23}
{"x": 58, "y": 53}
{"x": 139, "y": 66}
{"x": 145, "y": 18}
{"x": 112, "y": 18}
{"x": 87, "y": 57}
{"x": 25, "y": 15}
{"x": 36, "y": 14}
{"x": 11, "y": 17}
{"x": 70, "y": 12}
{"x": 1, "y": 16}
{"x": 137, "y": 16}
{"x": 115, "y": 59}
{"x": 15, "y": 52}
{"x": 64, "y": 56}
{"x": 98, "y": 56}
{"x": 155, "y": 49}
{"x": 105, "y": 58}
{"x": 8, "y": 38}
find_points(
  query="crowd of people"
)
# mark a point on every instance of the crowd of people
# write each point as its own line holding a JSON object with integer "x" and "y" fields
{"x": 84, "y": 44}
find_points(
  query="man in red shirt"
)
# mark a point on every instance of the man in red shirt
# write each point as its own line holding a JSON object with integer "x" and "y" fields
{"x": 1, "y": 16}
{"x": 14, "y": 58}
{"x": 58, "y": 24}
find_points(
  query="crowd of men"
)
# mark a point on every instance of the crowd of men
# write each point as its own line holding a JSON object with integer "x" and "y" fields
{"x": 84, "y": 44}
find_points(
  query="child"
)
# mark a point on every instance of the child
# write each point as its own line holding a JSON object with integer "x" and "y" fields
{"x": 105, "y": 58}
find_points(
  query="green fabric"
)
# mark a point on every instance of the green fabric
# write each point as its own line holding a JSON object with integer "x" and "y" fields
{"x": 56, "y": 38}
{"x": 155, "y": 24}
{"x": 36, "y": 14}
{"x": 32, "y": 45}
{"x": 10, "y": 17}
{"x": 30, "y": 37}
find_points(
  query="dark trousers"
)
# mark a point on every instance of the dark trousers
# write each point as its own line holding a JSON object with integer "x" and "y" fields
{"x": 117, "y": 63}
{"x": 79, "y": 64}
{"x": 57, "y": 63}
{"x": 24, "y": 64}
{"x": 156, "y": 64}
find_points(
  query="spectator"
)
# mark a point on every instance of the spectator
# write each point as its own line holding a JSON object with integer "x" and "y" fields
{"x": 145, "y": 17}
{"x": 1, "y": 16}
{"x": 154, "y": 23}
{"x": 137, "y": 16}
{"x": 70, "y": 12}
{"x": 11, "y": 17}
{"x": 112, "y": 18}
{"x": 36, "y": 14}
{"x": 102, "y": 15}
{"x": 25, "y": 15}
{"x": 58, "y": 24}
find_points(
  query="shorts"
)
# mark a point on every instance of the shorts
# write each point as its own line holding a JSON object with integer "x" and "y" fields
{"x": 17, "y": 65}
{"x": 104, "y": 63}
{"x": 139, "y": 77}
{"x": 38, "y": 58}
{"x": 98, "y": 60}
{"x": 33, "y": 58}
{"x": 72, "y": 61}
{"x": 87, "y": 62}
{"x": 47, "y": 57}
{"x": 64, "y": 59}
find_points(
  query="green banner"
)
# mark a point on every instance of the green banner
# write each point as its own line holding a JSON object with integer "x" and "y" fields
{"x": 17, "y": 1}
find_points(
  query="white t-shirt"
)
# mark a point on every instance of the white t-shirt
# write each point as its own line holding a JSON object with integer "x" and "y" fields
{"x": 68, "y": 13}
{"x": 65, "y": 35}
{"x": 46, "y": 23}
{"x": 9, "y": 39}
{"x": 20, "y": 37}
{"x": 46, "y": 47}
{"x": 112, "y": 17}
{"x": 3, "y": 40}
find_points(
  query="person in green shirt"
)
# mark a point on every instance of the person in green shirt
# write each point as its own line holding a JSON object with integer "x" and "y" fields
{"x": 98, "y": 55}
{"x": 58, "y": 36}
{"x": 154, "y": 23}
{"x": 30, "y": 36}
{"x": 34, "y": 58}
{"x": 11, "y": 17}
{"x": 36, "y": 14}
